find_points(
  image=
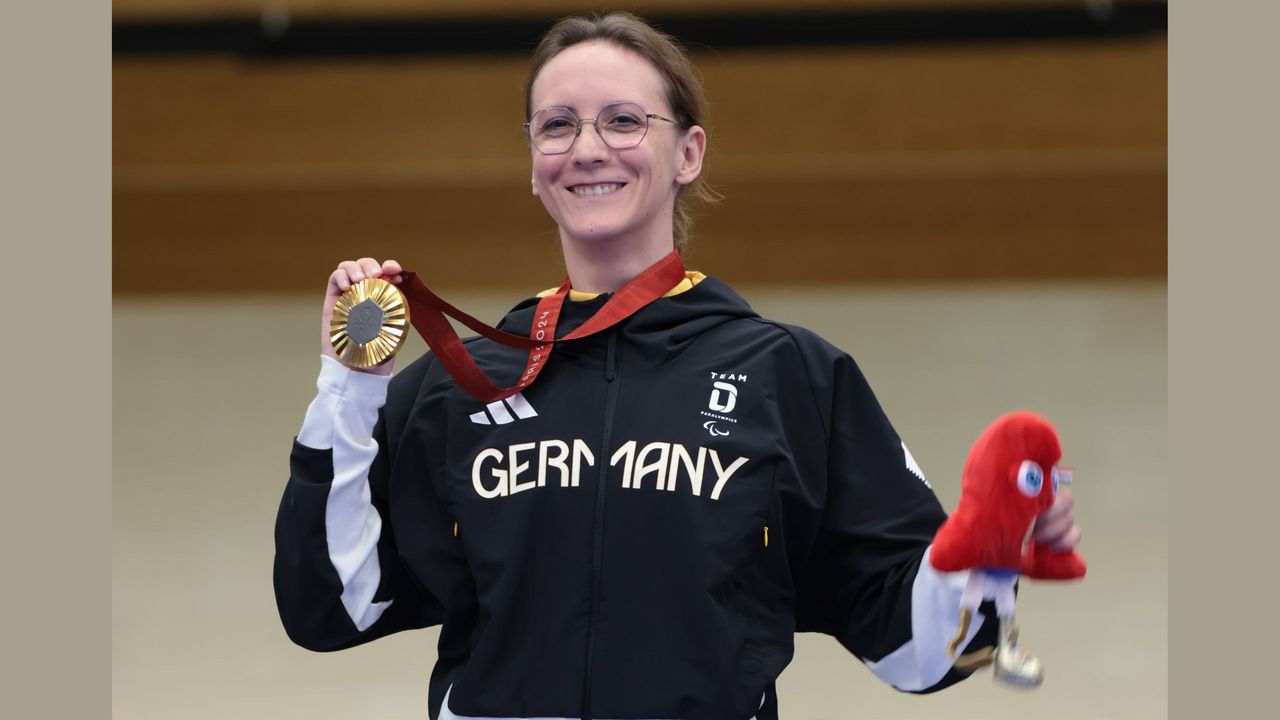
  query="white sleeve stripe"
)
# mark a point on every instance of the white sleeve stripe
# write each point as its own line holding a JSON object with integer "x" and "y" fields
{"x": 935, "y": 617}
{"x": 339, "y": 387}
{"x": 353, "y": 526}
{"x": 317, "y": 426}
{"x": 341, "y": 419}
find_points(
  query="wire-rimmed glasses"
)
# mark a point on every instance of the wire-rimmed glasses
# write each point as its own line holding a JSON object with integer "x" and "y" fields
{"x": 621, "y": 125}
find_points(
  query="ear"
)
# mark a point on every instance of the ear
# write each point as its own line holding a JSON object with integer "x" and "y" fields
{"x": 534, "y": 185}
{"x": 692, "y": 148}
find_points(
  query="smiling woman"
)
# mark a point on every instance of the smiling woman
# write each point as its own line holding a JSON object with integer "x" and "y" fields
{"x": 615, "y": 206}
{"x": 669, "y": 431}
{"x": 679, "y": 87}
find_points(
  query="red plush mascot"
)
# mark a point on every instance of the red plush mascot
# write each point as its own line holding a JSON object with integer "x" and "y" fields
{"x": 1002, "y": 492}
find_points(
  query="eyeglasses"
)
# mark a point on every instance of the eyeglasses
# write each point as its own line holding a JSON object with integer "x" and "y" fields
{"x": 620, "y": 125}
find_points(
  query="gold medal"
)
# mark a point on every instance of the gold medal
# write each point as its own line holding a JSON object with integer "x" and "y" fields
{"x": 369, "y": 323}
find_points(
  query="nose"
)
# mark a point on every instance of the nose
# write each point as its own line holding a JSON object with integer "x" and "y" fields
{"x": 589, "y": 147}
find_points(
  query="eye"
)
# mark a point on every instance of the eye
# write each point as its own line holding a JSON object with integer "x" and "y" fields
{"x": 1030, "y": 478}
{"x": 625, "y": 121}
{"x": 1059, "y": 477}
{"x": 555, "y": 124}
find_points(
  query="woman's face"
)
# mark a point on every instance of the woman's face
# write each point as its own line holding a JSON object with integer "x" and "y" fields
{"x": 595, "y": 193}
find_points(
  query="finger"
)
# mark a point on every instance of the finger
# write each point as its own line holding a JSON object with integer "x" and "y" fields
{"x": 352, "y": 268}
{"x": 1068, "y": 541}
{"x": 1056, "y": 520}
{"x": 370, "y": 267}
{"x": 1057, "y": 513}
{"x": 339, "y": 281}
{"x": 1052, "y": 531}
{"x": 392, "y": 271}
{"x": 1064, "y": 499}
{"x": 1061, "y": 506}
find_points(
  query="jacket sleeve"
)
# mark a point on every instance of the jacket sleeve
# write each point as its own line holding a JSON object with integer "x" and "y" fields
{"x": 866, "y": 580}
{"x": 338, "y": 579}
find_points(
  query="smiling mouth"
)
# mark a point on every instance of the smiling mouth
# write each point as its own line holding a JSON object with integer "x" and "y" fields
{"x": 596, "y": 189}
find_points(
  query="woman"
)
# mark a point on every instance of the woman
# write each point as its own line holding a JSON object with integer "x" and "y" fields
{"x": 640, "y": 532}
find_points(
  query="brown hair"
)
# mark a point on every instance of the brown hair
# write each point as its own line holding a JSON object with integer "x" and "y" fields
{"x": 684, "y": 86}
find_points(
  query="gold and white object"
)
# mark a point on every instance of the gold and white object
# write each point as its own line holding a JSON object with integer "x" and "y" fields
{"x": 1013, "y": 665}
{"x": 369, "y": 323}
{"x": 966, "y": 619}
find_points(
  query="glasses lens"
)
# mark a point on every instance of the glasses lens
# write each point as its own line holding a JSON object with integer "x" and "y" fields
{"x": 623, "y": 125}
{"x": 552, "y": 129}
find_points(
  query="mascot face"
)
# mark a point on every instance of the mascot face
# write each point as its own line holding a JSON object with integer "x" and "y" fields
{"x": 1030, "y": 480}
{"x": 1012, "y": 478}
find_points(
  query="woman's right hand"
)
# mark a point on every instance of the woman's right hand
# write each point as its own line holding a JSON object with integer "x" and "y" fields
{"x": 348, "y": 273}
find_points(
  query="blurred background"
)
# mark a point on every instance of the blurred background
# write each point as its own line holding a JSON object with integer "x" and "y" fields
{"x": 967, "y": 195}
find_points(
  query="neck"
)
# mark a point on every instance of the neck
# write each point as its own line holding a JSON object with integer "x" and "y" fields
{"x": 604, "y": 267}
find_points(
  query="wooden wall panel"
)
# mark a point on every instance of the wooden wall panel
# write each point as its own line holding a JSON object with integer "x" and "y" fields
{"x": 1019, "y": 160}
{"x": 859, "y": 230}
{"x": 219, "y": 116}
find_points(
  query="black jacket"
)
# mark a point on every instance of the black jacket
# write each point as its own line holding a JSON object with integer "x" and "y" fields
{"x": 641, "y": 535}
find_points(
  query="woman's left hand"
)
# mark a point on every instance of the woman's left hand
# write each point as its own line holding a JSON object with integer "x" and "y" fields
{"x": 1056, "y": 528}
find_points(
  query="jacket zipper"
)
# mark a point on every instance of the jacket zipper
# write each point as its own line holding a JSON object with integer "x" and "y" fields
{"x": 611, "y": 372}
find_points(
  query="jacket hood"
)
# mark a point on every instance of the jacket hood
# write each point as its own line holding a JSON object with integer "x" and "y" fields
{"x": 658, "y": 331}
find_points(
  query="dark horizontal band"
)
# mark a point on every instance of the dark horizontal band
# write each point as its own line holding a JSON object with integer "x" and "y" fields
{"x": 276, "y": 38}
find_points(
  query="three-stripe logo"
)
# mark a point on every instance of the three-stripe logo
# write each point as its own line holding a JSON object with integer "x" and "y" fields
{"x": 501, "y": 411}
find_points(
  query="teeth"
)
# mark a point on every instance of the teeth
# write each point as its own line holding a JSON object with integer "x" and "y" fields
{"x": 603, "y": 189}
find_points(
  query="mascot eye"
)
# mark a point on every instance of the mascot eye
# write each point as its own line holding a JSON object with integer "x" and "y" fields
{"x": 1060, "y": 477}
{"x": 1030, "y": 478}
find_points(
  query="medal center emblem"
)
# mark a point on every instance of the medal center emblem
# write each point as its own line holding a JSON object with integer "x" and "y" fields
{"x": 364, "y": 322}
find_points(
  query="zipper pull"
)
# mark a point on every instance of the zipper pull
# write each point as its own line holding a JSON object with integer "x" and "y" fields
{"x": 766, "y": 536}
{"x": 455, "y": 528}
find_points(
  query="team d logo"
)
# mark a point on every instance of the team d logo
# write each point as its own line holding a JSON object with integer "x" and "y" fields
{"x": 723, "y": 397}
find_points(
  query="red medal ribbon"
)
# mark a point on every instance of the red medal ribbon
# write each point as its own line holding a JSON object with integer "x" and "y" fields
{"x": 427, "y": 312}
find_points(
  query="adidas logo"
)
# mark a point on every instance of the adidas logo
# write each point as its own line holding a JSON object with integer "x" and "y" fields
{"x": 501, "y": 411}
